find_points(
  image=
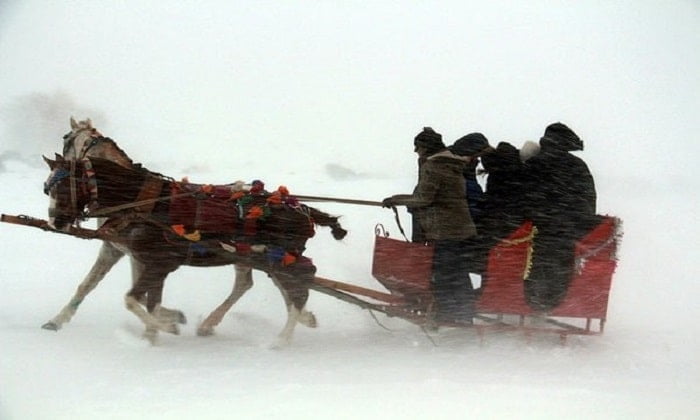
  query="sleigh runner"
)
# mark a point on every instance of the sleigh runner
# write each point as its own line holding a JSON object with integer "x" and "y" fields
{"x": 404, "y": 269}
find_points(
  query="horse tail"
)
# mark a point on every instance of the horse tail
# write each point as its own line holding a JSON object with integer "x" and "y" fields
{"x": 324, "y": 219}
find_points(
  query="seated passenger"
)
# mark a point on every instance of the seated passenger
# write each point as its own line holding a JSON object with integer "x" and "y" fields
{"x": 504, "y": 199}
{"x": 501, "y": 206}
{"x": 562, "y": 204}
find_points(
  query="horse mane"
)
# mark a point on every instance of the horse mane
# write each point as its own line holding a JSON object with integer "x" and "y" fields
{"x": 95, "y": 140}
{"x": 119, "y": 149}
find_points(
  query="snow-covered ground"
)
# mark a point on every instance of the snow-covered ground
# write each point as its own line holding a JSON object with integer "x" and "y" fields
{"x": 325, "y": 99}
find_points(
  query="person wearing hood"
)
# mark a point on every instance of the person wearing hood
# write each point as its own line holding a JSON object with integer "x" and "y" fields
{"x": 562, "y": 205}
{"x": 503, "y": 202}
{"x": 563, "y": 186}
{"x": 440, "y": 197}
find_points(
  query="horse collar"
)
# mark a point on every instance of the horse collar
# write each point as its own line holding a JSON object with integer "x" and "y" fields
{"x": 90, "y": 182}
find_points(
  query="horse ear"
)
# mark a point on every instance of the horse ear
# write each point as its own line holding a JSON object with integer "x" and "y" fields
{"x": 89, "y": 122}
{"x": 73, "y": 123}
{"x": 51, "y": 163}
{"x": 59, "y": 158}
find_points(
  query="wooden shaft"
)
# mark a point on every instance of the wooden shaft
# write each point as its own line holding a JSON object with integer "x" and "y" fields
{"x": 374, "y": 294}
{"x": 71, "y": 230}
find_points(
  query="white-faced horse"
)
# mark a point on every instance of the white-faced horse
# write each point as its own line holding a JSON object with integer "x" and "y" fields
{"x": 257, "y": 229}
{"x": 84, "y": 141}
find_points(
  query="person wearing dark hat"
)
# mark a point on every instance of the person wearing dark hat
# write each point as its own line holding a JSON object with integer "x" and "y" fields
{"x": 425, "y": 143}
{"x": 439, "y": 197}
{"x": 561, "y": 183}
{"x": 472, "y": 145}
{"x": 502, "y": 203}
{"x": 562, "y": 204}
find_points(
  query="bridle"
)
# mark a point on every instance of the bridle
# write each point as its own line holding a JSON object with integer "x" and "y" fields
{"x": 63, "y": 173}
{"x": 69, "y": 141}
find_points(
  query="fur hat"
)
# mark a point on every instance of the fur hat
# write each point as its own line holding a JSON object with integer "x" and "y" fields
{"x": 528, "y": 150}
{"x": 470, "y": 144}
{"x": 429, "y": 139}
{"x": 561, "y": 137}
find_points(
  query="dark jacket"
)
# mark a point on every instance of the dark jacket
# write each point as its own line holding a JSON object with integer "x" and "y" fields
{"x": 562, "y": 204}
{"x": 504, "y": 199}
{"x": 440, "y": 198}
{"x": 561, "y": 187}
{"x": 475, "y": 194}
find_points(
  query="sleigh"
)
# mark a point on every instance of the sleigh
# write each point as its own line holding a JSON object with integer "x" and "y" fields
{"x": 404, "y": 269}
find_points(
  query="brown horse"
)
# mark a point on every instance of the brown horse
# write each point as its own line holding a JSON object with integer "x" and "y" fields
{"x": 85, "y": 141}
{"x": 259, "y": 230}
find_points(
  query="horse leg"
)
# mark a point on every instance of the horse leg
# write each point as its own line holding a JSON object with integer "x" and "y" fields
{"x": 164, "y": 314}
{"x": 150, "y": 282}
{"x": 295, "y": 294}
{"x": 306, "y": 318}
{"x": 108, "y": 256}
{"x": 242, "y": 283}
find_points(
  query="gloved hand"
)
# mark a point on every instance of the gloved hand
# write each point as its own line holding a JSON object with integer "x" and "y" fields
{"x": 388, "y": 203}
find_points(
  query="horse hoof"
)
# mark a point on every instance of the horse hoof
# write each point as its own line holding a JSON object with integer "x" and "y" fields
{"x": 181, "y": 318}
{"x": 280, "y": 344}
{"x": 308, "y": 319}
{"x": 52, "y": 326}
{"x": 151, "y": 335}
{"x": 173, "y": 329}
{"x": 205, "y": 331}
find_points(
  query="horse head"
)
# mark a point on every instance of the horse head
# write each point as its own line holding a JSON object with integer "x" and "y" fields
{"x": 67, "y": 190}
{"x": 84, "y": 141}
{"x": 77, "y": 140}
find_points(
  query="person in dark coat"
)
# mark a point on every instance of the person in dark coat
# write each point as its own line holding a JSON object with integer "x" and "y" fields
{"x": 440, "y": 198}
{"x": 562, "y": 205}
{"x": 501, "y": 204}
{"x": 504, "y": 199}
{"x": 472, "y": 145}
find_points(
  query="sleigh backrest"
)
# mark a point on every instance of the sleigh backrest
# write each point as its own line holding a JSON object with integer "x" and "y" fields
{"x": 589, "y": 289}
{"x": 507, "y": 268}
{"x": 596, "y": 260}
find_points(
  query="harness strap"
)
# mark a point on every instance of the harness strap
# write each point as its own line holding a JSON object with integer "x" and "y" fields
{"x": 108, "y": 210}
{"x": 73, "y": 187}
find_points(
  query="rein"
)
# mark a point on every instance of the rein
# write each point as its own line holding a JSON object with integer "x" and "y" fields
{"x": 338, "y": 200}
{"x": 108, "y": 210}
{"x": 353, "y": 201}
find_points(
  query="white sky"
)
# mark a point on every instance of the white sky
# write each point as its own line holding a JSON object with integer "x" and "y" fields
{"x": 353, "y": 82}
